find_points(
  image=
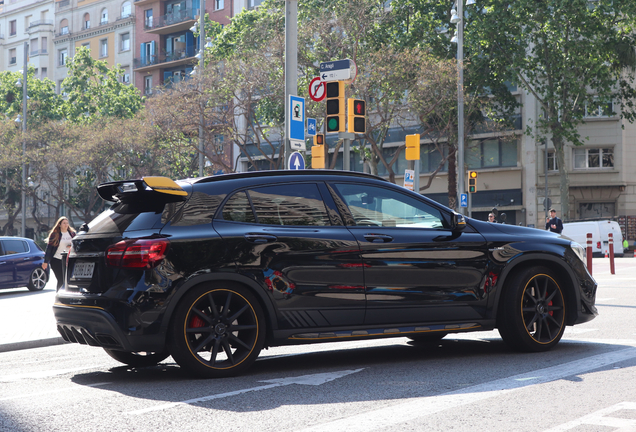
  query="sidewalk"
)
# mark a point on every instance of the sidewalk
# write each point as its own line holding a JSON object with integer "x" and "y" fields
{"x": 27, "y": 321}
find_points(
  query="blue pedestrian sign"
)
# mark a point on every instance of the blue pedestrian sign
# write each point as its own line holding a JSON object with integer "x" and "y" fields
{"x": 296, "y": 118}
{"x": 463, "y": 200}
{"x": 311, "y": 127}
{"x": 296, "y": 161}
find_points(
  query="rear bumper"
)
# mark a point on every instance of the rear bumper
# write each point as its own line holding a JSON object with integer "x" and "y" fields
{"x": 91, "y": 325}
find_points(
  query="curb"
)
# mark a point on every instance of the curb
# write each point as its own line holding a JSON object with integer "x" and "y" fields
{"x": 15, "y": 346}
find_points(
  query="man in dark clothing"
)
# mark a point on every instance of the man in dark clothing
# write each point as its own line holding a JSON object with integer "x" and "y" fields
{"x": 553, "y": 223}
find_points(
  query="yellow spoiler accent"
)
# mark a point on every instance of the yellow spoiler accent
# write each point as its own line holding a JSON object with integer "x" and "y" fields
{"x": 164, "y": 185}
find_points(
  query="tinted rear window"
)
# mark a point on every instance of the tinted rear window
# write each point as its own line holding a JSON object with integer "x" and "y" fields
{"x": 112, "y": 221}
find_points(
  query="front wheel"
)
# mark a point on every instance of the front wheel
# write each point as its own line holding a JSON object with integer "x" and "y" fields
{"x": 37, "y": 280}
{"x": 137, "y": 359}
{"x": 532, "y": 314}
{"x": 217, "y": 331}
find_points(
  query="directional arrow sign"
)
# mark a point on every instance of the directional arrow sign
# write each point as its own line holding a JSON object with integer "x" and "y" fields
{"x": 315, "y": 379}
{"x": 338, "y": 70}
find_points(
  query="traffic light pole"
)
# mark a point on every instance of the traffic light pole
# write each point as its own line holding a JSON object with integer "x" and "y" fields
{"x": 291, "y": 66}
{"x": 346, "y": 149}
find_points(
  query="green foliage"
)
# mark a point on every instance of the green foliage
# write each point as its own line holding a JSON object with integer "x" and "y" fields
{"x": 92, "y": 90}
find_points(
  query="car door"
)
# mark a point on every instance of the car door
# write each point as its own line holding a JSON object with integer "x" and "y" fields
{"x": 6, "y": 271}
{"x": 296, "y": 245}
{"x": 416, "y": 268}
{"x": 16, "y": 262}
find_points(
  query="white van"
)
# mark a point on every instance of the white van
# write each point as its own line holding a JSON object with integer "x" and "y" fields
{"x": 577, "y": 231}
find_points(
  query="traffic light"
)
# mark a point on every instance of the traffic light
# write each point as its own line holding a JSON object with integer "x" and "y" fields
{"x": 413, "y": 147}
{"x": 335, "y": 106}
{"x": 357, "y": 116}
{"x": 319, "y": 139}
{"x": 318, "y": 154}
{"x": 472, "y": 181}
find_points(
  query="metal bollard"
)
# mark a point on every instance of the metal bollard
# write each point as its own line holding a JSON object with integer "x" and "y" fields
{"x": 588, "y": 252}
{"x": 611, "y": 252}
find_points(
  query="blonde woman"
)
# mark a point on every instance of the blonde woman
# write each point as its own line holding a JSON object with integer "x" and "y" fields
{"x": 58, "y": 241}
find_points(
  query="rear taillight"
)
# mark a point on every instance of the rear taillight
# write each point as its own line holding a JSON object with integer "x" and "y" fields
{"x": 598, "y": 245}
{"x": 137, "y": 253}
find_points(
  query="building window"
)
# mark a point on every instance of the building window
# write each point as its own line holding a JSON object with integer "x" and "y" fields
{"x": 126, "y": 10}
{"x": 125, "y": 42}
{"x": 104, "y": 17}
{"x": 62, "y": 56}
{"x": 44, "y": 73}
{"x": 552, "y": 161}
{"x": 218, "y": 4}
{"x": 148, "y": 85}
{"x": 45, "y": 44}
{"x": 219, "y": 148}
{"x": 87, "y": 45}
{"x": 148, "y": 18}
{"x": 12, "y": 58}
{"x": 599, "y": 109}
{"x": 251, "y": 4}
{"x": 492, "y": 153}
{"x": 103, "y": 48}
{"x": 87, "y": 22}
{"x": 594, "y": 158}
{"x": 13, "y": 27}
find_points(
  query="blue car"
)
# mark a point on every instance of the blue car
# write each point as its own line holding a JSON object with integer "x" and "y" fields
{"x": 21, "y": 264}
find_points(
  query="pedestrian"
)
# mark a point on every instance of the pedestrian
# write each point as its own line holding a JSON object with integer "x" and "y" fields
{"x": 58, "y": 241}
{"x": 625, "y": 244}
{"x": 491, "y": 218}
{"x": 553, "y": 223}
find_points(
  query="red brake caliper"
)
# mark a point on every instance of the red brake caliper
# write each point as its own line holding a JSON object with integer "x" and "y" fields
{"x": 196, "y": 322}
{"x": 551, "y": 312}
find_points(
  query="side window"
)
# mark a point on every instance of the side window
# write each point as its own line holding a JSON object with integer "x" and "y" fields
{"x": 199, "y": 210}
{"x": 289, "y": 205}
{"x": 238, "y": 209}
{"x": 14, "y": 247}
{"x": 376, "y": 206}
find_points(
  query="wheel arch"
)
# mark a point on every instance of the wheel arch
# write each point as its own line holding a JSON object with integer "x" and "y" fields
{"x": 233, "y": 278}
{"x": 565, "y": 277}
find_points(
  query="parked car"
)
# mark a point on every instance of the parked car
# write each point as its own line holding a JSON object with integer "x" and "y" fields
{"x": 212, "y": 270}
{"x": 21, "y": 264}
{"x": 578, "y": 231}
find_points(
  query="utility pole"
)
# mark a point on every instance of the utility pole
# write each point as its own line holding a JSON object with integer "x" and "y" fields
{"x": 291, "y": 67}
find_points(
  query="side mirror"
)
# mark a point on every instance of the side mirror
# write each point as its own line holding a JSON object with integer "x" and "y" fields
{"x": 458, "y": 221}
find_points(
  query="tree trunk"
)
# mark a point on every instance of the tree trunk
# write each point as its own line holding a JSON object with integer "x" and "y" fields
{"x": 452, "y": 179}
{"x": 564, "y": 182}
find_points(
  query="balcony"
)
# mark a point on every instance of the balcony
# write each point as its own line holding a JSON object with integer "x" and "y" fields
{"x": 172, "y": 23}
{"x": 165, "y": 60}
{"x": 38, "y": 52}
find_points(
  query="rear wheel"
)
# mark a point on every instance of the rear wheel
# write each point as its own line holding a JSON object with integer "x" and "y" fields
{"x": 137, "y": 359}
{"x": 217, "y": 331}
{"x": 37, "y": 279}
{"x": 532, "y": 314}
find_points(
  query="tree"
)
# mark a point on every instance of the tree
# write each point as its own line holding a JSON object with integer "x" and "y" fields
{"x": 569, "y": 54}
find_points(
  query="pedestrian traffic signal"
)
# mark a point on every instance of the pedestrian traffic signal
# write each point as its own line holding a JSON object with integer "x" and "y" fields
{"x": 335, "y": 107}
{"x": 319, "y": 139}
{"x": 413, "y": 147}
{"x": 318, "y": 155}
{"x": 472, "y": 181}
{"x": 357, "y": 116}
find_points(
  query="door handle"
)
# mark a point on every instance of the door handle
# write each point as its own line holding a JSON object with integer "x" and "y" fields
{"x": 378, "y": 238}
{"x": 260, "y": 238}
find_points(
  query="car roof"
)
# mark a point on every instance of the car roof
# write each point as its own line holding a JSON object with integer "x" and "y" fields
{"x": 285, "y": 173}
{"x": 15, "y": 238}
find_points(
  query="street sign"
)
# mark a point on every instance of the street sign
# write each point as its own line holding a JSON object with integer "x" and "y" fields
{"x": 338, "y": 70}
{"x": 296, "y": 161}
{"x": 409, "y": 178}
{"x": 463, "y": 200}
{"x": 298, "y": 145}
{"x": 317, "y": 89}
{"x": 311, "y": 126}
{"x": 296, "y": 128}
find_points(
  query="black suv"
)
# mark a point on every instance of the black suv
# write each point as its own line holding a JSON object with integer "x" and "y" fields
{"x": 212, "y": 270}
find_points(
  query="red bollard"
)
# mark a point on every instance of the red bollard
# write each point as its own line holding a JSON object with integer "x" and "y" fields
{"x": 588, "y": 252}
{"x": 611, "y": 253}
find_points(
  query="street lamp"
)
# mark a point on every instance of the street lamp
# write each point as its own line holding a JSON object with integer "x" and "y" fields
{"x": 457, "y": 17}
{"x": 23, "y": 120}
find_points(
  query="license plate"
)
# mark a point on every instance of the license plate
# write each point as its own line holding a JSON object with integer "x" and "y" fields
{"x": 83, "y": 270}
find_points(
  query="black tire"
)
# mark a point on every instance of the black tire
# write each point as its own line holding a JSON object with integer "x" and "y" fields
{"x": 37, "y": 279}
{"x": 532, "y": 311}
{"x": 217, "y": 331}
{"x": 428, "y": 337}
{"x": 134, "y": 359}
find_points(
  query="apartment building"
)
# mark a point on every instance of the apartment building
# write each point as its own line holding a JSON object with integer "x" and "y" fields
{"x": 30, "y": 21}
{"x": 105, "y": 27}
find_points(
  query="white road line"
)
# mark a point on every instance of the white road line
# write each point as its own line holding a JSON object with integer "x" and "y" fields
{"x": 385, "y": 418}
{"x": 43, "y": 374}
{"x": 29, "y": 395}
{"x": 601, "y": 418}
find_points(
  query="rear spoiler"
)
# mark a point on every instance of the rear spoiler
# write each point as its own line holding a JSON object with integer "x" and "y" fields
{"x": 158, "y": 189}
